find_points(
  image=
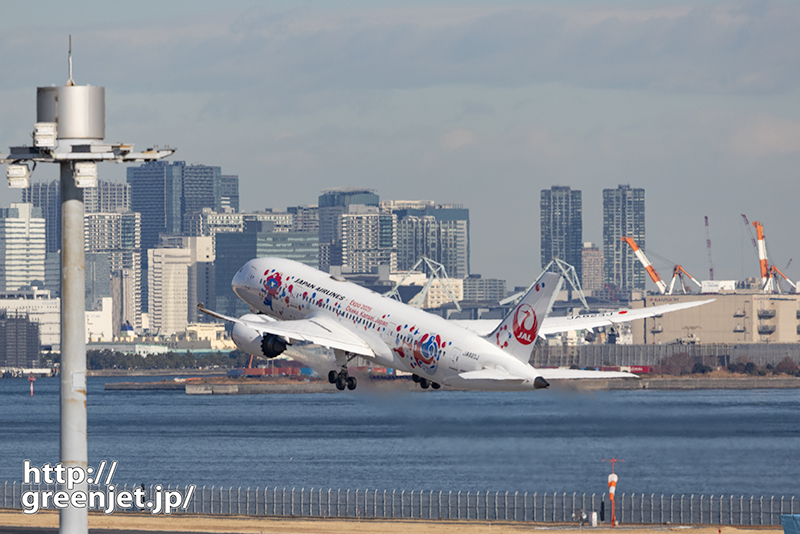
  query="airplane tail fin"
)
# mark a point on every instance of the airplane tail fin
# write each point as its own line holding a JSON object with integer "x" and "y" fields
{"x": 517, "y": 333}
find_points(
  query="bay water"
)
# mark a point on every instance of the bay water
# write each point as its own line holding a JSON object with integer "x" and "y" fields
{"x": 672, "y": 442}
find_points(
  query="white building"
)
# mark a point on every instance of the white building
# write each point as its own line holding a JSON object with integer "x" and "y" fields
{"x": 100, "y": 323}
{"x": 22, "y": 246}
{"x": 368, "y": 239}
{"x": 168, "y": 289}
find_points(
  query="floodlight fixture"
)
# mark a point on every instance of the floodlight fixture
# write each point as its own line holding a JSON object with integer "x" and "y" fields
{"x": 18, "y": 175}
{"x": 85, "y": 174}
{"x": 44, "y": 134}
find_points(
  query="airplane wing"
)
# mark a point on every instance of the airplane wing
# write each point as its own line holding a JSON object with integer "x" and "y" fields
{"x": 318, "y": 330}
{"x": 554, "y": 325}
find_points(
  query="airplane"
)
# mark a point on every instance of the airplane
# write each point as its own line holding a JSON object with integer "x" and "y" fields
{"x": 293, "y": 303}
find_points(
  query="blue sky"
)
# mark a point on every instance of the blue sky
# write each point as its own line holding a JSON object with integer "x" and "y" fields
{"x": 479, "y": 103}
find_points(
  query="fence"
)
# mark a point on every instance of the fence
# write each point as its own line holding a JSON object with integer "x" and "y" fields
{"x": 556, "y": 507}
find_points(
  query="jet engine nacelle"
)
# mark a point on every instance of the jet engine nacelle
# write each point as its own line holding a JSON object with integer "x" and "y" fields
{"x": 248, "y": 337}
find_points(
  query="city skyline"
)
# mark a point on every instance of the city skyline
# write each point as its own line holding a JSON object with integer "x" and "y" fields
{"x": 477, "y": 104}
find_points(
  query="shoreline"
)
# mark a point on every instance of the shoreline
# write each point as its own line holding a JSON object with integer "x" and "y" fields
{"x": 227, "y": 386}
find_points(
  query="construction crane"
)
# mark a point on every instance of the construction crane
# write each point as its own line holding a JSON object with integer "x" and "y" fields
{"x": 775, "y": 271}
{"x": 662, "y": 287}
{"x": 436, "y": 269}
{"x": 766, "y": 279}
{"x": 708, "y": 247}
{"x": 679, "y": 272}
{"x": 770, "y": 275}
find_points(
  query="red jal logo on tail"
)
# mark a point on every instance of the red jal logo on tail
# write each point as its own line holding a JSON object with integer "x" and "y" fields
{"x": 525, "y": 324}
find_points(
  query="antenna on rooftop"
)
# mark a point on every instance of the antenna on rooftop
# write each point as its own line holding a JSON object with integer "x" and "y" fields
{"x": 70, "y": 81}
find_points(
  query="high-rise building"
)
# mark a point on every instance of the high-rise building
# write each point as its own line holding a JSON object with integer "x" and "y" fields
{"x": 117, "y": 238}
{"x": 107, "y": 197}
{"x": 168, "y": 289}
{"x": 477, "y": 289}
{"x": 368, "y": 239}
{"x": 282, "y": 221}
{"x": 592, "y": 268}
{"x": 19, "y": 340}
{"x": 561, "y": 226}
{"x": 41, "y": 308}
{"x": 229, "y": 192}
{"x": 437, "y": 231}
{"x": 47, "y": 196}
{"x": 156, "y": 193}
{"x": 305, "y": 218}
{"x": 623, "y": 216}
{"x": 235, "y": 249}
{"x": 22, "y": 246}
{"x": 201, "y": 274}
{"x": 332, "y": 204}
{"x": 202, "y": 185}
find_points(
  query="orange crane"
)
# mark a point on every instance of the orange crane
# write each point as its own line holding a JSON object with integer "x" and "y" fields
{"x": 762, "y": 256}
{"x": 662, "y": 287}
{"x": 769, "y": 273}
{"x": 677, "y": 271}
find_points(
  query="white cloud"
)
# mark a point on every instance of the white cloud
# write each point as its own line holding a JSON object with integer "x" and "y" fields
{"x": 765, "y": 135}
{"x": 458, "y": 138}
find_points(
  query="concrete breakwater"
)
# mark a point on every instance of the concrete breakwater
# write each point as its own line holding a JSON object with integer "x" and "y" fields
{"x": 236, "y": 387}
{"x": 680, "y": 383}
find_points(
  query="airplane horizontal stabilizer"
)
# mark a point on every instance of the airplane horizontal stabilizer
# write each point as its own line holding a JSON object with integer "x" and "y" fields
{"x": 490, "y": 374}
{"x": 572, "y": 374}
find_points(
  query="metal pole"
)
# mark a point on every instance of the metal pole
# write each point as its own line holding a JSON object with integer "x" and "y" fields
{"x": 74, "y": 448}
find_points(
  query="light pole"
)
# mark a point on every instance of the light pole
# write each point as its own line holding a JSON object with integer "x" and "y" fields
{"x": 69, "y": 130}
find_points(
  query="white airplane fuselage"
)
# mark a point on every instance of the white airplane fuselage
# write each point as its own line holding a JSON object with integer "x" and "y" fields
{"x": 402, "y": 337}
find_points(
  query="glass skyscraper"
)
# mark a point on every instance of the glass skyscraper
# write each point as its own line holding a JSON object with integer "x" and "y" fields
{"x": 562, "y": 227}
{"x": 623, "y": 216}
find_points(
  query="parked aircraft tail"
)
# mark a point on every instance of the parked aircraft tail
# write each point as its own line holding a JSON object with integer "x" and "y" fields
{"x": 517, "y": 333}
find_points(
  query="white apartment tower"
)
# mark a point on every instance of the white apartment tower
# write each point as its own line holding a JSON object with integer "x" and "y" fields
{"x": 22, "y": 246}
{"x": 168, "y": 289}
{"x": 368, "y": 239}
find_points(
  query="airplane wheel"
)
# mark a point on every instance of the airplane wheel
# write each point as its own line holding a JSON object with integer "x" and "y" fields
{"x": 424, "y": 383}
{"x": 351, "y": 383}
{"x": 332, "y": 376}
{"x": 415, "y": 378}
{"x": 434, "y": 385}
{"x": 341, "y": 383}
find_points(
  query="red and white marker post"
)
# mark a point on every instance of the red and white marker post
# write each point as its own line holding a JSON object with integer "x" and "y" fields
{"x": 612, "y": 489}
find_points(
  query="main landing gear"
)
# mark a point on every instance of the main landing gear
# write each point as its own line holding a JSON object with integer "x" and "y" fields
{"x": 424, "y": 383}
{"x": 342, "y": 380}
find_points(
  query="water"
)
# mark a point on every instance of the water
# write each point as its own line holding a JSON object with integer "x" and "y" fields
{"x": 701, "y": 442}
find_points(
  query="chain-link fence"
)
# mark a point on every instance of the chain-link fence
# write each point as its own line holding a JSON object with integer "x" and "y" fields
{"x": 555, "y": 507}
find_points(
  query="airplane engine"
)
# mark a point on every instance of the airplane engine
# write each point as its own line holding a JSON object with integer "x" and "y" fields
{"x": 272, "y": 345}
{"x": 250, "y": 339}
